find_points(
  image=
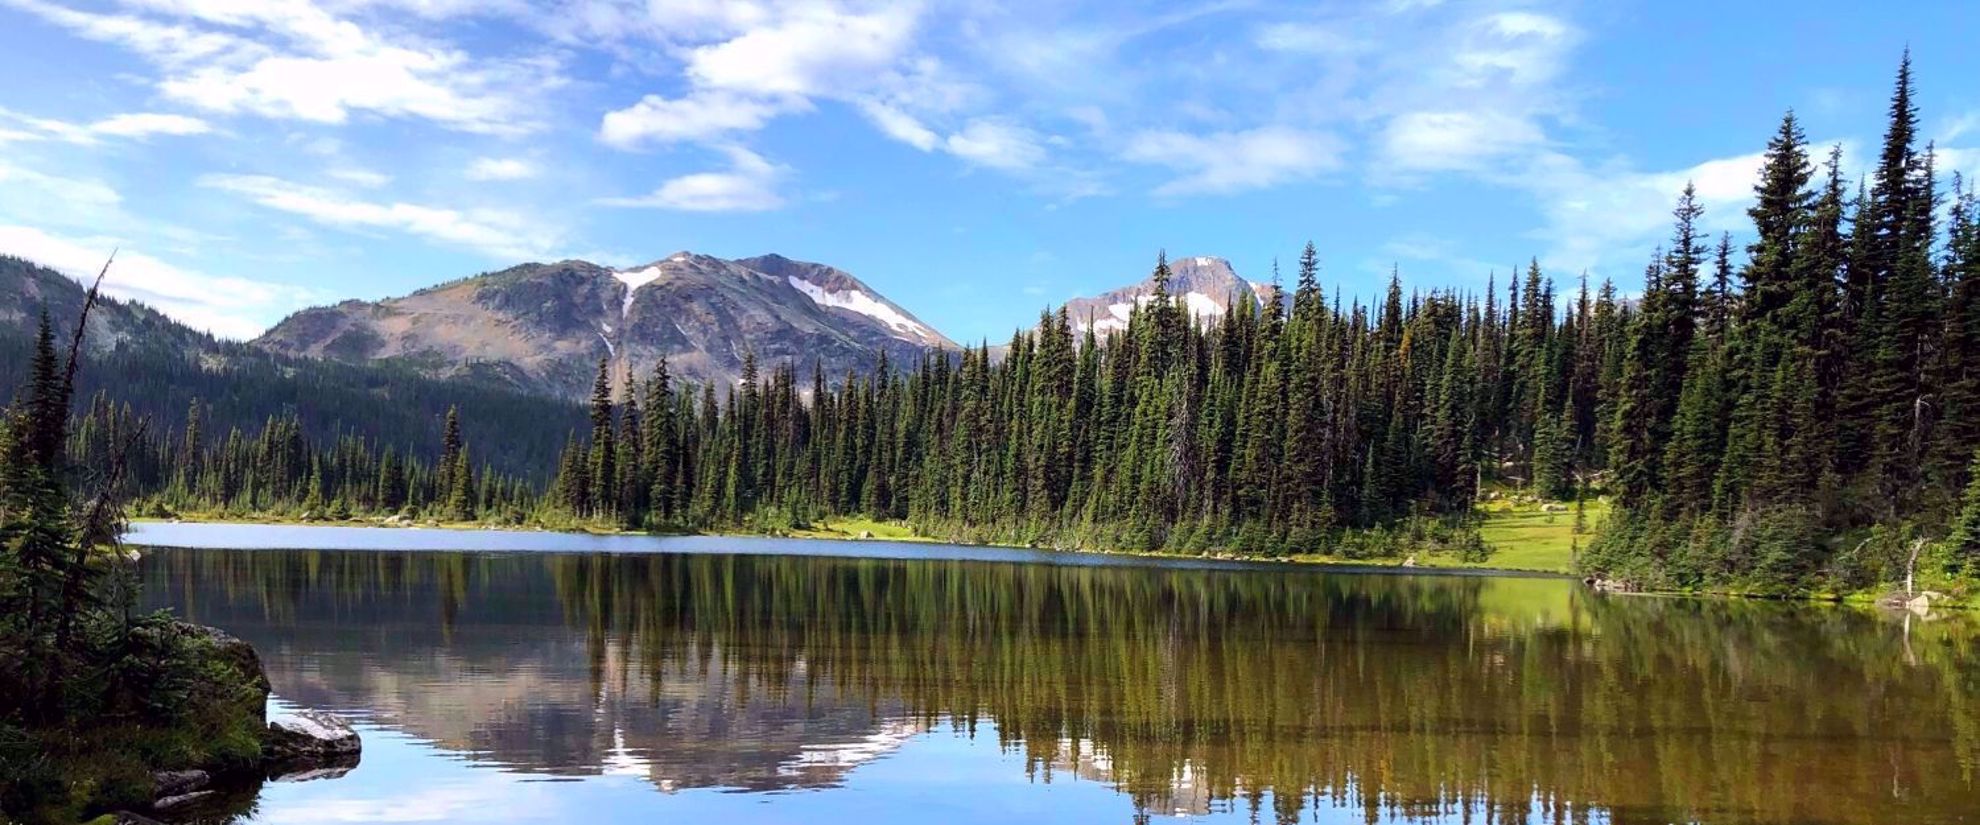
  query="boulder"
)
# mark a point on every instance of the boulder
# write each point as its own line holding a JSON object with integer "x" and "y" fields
{"x": 241, "y": 656}
{"x": 1608, "y": 585}
{"x": 165, "y": 784}
{"x": 244, "y": 693}
{"x": 307, "y": 737}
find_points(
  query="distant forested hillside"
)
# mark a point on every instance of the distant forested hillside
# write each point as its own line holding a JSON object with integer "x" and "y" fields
{"x": 161, "y": 370}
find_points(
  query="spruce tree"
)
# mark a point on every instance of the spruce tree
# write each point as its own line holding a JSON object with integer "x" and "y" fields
{"x": 1963, "y": 543}
{"x": 603, "y": 483}
{"x": 450, "y": 453}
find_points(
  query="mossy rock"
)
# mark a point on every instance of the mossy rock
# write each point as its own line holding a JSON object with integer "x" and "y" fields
{"x": 185, "y": 697}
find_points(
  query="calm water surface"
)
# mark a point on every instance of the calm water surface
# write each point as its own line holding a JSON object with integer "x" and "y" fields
{"x": 724, "y": 680}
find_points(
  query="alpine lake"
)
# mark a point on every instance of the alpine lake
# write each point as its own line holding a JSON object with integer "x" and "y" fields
{"x": 540, "y": 677}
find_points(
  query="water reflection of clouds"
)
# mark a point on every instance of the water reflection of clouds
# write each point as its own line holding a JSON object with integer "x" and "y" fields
{"x": 403, "y": 779}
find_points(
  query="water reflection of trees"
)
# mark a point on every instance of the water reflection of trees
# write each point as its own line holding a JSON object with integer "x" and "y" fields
{"x": 1407, "y": 697}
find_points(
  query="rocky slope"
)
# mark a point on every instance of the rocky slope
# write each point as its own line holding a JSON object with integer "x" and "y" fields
{"x": 543, "y": 327}
{"x": 1206, "y": 285}
{"x": 26, "y": 289}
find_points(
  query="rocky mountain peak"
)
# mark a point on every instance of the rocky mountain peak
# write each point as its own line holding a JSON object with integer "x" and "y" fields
{"x": 543, "y": 327}
{"x": 1206, "y": 286}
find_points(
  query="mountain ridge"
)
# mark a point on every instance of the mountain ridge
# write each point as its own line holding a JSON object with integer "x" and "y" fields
{"x": 543, "y": 327}
{"x": 1205, "y": 284}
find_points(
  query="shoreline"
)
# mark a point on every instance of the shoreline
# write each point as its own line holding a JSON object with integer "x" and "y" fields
{"x": 1427, "y": 564}
{"x": 1432, "y": 565}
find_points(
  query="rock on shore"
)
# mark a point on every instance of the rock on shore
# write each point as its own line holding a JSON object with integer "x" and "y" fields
{"x": 312, "y": 738}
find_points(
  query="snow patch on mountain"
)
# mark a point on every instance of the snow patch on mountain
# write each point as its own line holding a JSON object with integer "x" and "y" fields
{"x": 1202, "y": 306}
{"x": 1198, "y": 305}
{"x": 863, "y": 304}
{"x": 634, "y": 279}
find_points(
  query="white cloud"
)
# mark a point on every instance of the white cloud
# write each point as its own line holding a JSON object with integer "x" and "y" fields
{"x": 1311, "y": 38}
{"x": 997, "y": 144}
{"x": 134, "y": 125}
{"x": 367, "y": 178}
{"x": 496, "y": 233}
{"x": 1471, "y": 96}
{"x": 1594, "y": 214}
{"x": 1453, "y": 141}
{"x": 228, "y": 307}
{"x": 84, "y": 205}
{"x": 1225, "y": 162}
{"x": 900, "y": 125}
{"x": 291, "y": 59}
{"x": 168, "y": 44}
{"x": 1958, "y": 127}
{"x": 39, "y": 191}
{"x": 143, "y": 124}
{"x": 749, "y": 185}
{"x": 501, "y": 169}
{"x": 1517, "y": 47}
{"x": 747, "y": 64}
{"x": 814, "y": 49}
{"x": 699, "y": 116}
{"x": 1950, "y": 159}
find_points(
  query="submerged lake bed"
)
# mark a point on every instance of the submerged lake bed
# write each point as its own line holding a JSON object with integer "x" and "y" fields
{"x": 517, "y": 677}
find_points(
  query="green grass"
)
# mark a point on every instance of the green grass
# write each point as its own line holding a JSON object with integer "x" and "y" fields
{"x": 1524, "y": 536}
{"x": 860, "y": 527}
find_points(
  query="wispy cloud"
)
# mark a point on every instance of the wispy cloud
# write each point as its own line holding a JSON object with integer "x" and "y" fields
{"x": 998, "y": 144}
{"x": 500, "y": 234}
{"x": 228, "y": 307}
{"x": 296, "y": 60}
{"x": 133, "y": 125}
{"x": 1455, "y": 140}
{"x": 1607, "y": 217}
{"x": 699, "y": 116}
{"x": 1227, "y": 162}
{"x": 493, "y": 169}
{"x": 748, "y": 185}
{"x": 368, "y": 178}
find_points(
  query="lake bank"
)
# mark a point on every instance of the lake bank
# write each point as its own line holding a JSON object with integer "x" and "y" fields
{"x": 253, "y": 536}
{"x": 1522, "y": 539}
{"x": 1526, "y": 540}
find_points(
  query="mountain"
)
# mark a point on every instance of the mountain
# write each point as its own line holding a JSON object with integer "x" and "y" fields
{"x": 160, "y": 368}
{"x": 1206, "y": 286}
{"x": 543, "y": 327}
{"x": 27, "y": 288}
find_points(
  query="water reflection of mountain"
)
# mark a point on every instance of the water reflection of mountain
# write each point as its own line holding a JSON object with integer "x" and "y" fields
{"x": 1401, "y": 698}
{"x": 483, "y": 661}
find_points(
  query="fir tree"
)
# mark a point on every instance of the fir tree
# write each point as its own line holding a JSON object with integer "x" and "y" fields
{"x": 603, "y": 483}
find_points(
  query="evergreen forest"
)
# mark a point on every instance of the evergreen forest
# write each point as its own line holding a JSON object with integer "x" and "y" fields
{"x": 1795, "y": 410}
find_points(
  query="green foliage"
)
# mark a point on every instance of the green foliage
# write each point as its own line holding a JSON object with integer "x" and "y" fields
{"x": 91, "y": 700}
{"x": 1962, "y": 544}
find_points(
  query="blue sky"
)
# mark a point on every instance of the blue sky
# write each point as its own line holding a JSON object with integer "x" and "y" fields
{"x": 975, "y": 161}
